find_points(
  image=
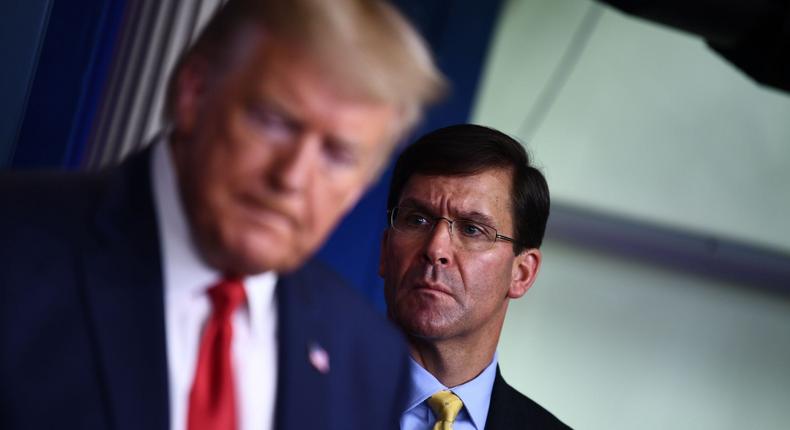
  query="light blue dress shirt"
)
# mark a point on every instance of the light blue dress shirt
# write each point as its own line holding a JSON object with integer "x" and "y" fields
{"x": 476, "y": 395}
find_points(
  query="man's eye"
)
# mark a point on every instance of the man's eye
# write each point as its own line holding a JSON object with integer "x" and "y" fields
{"x": 276, "y": 125}
{"x": 416, "y": 219}
{"x": 471, "y": 230}
{"x": 339, "y": 153}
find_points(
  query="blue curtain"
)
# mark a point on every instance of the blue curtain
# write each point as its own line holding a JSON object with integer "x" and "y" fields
{"x": 73, "y": 65}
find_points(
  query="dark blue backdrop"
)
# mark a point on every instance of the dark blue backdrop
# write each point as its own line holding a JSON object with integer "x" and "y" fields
{"x": 72, "y": 69}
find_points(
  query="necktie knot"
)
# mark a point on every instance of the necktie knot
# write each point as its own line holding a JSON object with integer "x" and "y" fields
{"x": 445, "y": 406}
{"x": 226, "y": 296}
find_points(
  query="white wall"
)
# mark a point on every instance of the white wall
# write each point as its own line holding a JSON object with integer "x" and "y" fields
{"x": 606, "y": 343}
{"x": 653, "y": 126}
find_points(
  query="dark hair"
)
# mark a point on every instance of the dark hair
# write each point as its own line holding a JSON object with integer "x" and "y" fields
{"x": 467, "y": 149}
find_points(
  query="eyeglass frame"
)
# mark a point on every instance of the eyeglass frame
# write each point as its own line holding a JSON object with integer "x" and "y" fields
{"x": 435, "y": 219}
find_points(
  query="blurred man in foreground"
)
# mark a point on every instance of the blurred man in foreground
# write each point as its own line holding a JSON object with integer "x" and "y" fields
{"x": 174, "y": 291}
{"x": 467, "y": 216}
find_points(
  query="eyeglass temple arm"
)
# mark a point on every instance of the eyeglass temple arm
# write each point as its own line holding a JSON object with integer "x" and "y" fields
{"x": 505, "y": 238}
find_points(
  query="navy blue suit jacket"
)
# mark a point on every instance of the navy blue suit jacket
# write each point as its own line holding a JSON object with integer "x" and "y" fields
{"x": 511, "y": 410}
{"x": 82, "y": 331}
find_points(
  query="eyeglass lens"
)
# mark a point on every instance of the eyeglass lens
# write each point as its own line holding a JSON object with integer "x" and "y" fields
{"x": 469, "y": 234}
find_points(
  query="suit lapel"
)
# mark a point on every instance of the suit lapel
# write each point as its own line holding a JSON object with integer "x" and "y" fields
{"x": 510, "y": 409}
{"x": 124, "y": 297}
{"x": 302, "y": 390}
{"x": 498, "y": 416}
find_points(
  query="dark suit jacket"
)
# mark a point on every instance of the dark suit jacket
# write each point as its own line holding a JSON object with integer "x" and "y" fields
{"x": 82, "y": 331}
{"x": 510, "y": 409}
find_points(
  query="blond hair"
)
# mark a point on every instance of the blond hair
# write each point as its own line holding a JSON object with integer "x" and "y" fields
{"x": 365, "y": 48}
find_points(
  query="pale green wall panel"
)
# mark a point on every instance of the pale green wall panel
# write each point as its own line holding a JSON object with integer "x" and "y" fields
{"x": 651, "y": 124}
{"x": 606, "y": 344}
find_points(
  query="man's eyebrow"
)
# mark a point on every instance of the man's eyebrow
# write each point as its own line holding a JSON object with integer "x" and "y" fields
{"x": 477, "y": 216}
{"x": 416, "y": 204}
{"x": 275, "y": 106}
{"x": 272, "y": 104}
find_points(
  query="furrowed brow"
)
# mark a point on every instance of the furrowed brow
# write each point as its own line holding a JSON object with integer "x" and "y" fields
{"x": 416, "y": 204}
{"x": 478, "y": 217}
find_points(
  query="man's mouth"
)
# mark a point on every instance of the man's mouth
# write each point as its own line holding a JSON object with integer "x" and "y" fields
{"x": 267, "y": 214}
{"x": 431, "y": 286}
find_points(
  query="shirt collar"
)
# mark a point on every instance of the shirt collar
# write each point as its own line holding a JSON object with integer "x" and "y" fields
{"x": 475, "y": 394}
{"x": 183, "y": 270}
{"x": 423, "y": 384}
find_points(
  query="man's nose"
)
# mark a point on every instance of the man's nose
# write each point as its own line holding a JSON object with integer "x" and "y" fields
{"x": 439, "y": 245}
{"x": 297, "y": 163}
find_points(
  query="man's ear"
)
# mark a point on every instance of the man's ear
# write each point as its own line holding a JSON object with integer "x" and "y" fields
{"x": 382, "y": 257}
{"x": 192, "y": 84}
{"x": 525, "y": 271}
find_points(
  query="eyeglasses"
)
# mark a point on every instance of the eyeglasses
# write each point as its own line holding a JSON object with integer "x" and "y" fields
{"x": 471, "y": 235}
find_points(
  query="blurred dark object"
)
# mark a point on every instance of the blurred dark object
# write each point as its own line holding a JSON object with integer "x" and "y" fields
{"x": 754, "y": 35}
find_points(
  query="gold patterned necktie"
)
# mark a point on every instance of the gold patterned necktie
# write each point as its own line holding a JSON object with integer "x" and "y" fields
{"x": 445, "y": 406}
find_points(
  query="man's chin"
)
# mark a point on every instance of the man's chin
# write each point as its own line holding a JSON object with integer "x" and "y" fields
{"x": 255, "y": 253}
{"x": 422, "y": 326}
{"x": 427, "y": 334}
{"x": 243, "y": 264}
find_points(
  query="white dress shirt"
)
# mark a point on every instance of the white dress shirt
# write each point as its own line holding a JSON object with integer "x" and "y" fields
{"x": 475, "y": 394}
{"x": 187, "y": 308}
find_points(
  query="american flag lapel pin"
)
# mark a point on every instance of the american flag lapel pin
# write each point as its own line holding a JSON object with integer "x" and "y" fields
{"x": 318, "y": 357}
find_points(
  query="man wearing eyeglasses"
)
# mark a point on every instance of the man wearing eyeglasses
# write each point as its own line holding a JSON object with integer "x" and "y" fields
{"x": 467, "y": 215}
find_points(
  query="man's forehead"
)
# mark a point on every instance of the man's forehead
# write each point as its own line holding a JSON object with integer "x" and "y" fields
{"x": 297, "y": 86}
{"x": 483, "y": 192}
{"x": 484, "y": 182}
{"x": 292, "y": 62}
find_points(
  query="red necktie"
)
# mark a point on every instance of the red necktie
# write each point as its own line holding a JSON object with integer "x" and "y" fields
{"x": 212, "y": 401}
